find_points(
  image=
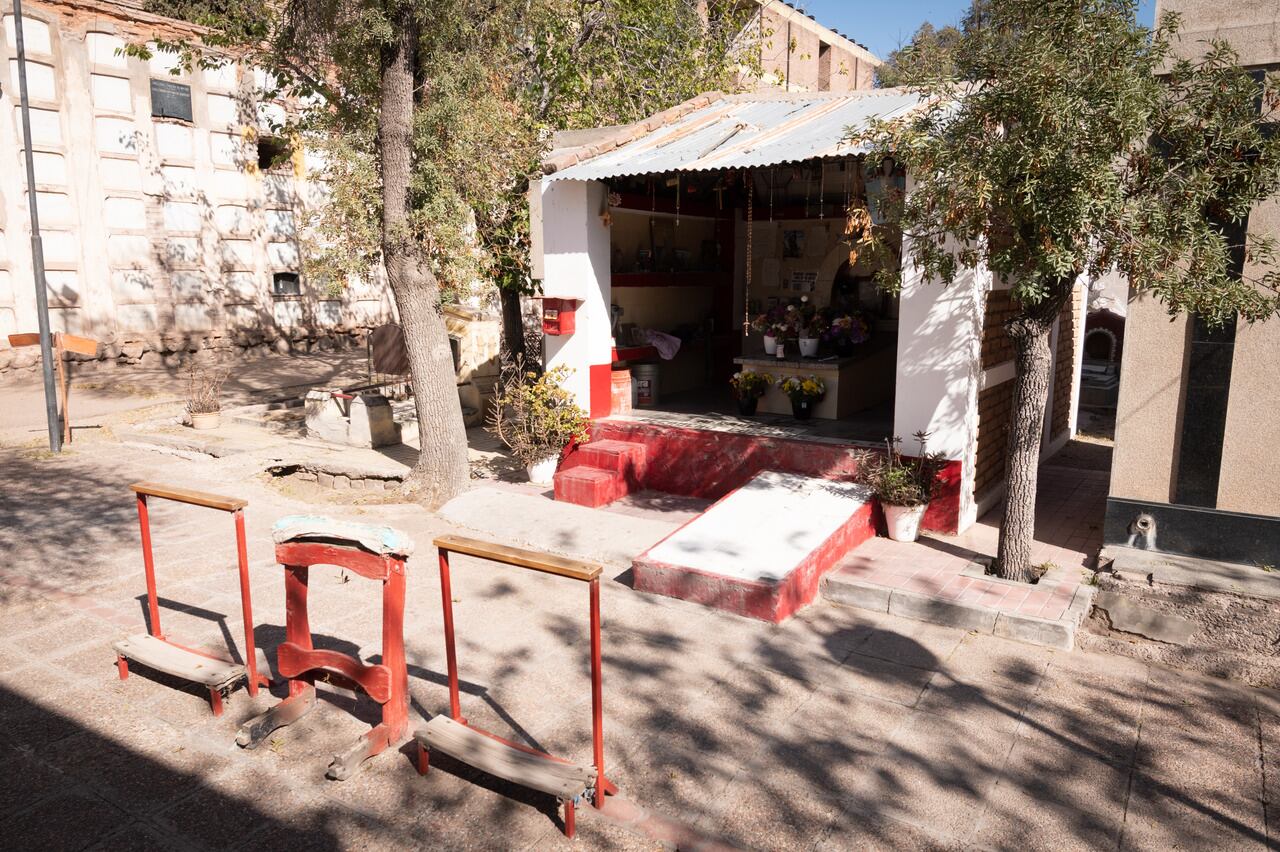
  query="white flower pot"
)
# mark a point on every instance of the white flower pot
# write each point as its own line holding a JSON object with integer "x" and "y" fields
{"x": 541, "y": 472}
{"x": 808, "y": 347}
{"x": 206, "y": 420}
{"x": 770, "y": 344}
{"x": 904, "y": 521}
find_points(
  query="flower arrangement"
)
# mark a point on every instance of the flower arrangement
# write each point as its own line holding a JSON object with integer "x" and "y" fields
{"x": 750, "y": 385}
{"x": 775, "y": 322}
{"x": 533, "y": 413}
{"x": 803, "y": 388}
{"x": 896, "y": 481}
{"x": 847, "y": 330}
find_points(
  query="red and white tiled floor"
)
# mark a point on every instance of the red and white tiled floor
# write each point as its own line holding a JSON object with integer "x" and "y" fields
{"x": 1069, "y": 513}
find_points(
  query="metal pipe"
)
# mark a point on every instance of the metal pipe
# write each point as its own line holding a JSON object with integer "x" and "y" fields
{"x": 37, "y": 247}
{"x": 149, "y": 565}
{"x": 450, "y": 650}
{"x": 597, "y": 694}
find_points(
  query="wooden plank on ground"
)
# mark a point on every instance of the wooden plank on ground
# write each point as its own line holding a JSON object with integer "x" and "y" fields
{"x": 565, "y": 781}
{"x": 187, "y": 495}
{"x": 179, "y": 662}
{"x": 547, "y": 562}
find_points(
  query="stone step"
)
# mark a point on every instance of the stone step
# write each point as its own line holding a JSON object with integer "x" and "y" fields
{"x": 590, "y": 486}
{"x": 625, "y": 457}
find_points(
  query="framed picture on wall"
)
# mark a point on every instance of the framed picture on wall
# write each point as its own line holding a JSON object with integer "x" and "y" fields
{"x": 793, "y": 240}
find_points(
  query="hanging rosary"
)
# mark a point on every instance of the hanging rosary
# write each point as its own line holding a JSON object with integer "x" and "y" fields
{"x": 746, "y": 287}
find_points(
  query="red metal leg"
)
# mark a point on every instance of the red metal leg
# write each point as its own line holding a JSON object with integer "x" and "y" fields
{"x": 122, "y": 666}
{"x": 424, "y": 759}
{"x": 297, "y": 626}
{"x": 603, "y": 787}
{"x": 215, "y": 701}
{"x": 246, "y": 605}
{"x": 148, "y": 563}
{"x": 395, "y": 713}
{"x": 450, "y": 652}
{"x": 568, "y": 818}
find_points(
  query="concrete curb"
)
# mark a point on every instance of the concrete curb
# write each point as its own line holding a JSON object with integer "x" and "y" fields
{"x": 1049, "y": 633}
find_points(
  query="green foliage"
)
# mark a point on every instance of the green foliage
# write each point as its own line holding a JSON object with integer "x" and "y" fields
{"x": 898, "y": 481}
{"x": 1053, "y": 149}
{"x": 927, "y": 45}
{"x": 533, "y": 413}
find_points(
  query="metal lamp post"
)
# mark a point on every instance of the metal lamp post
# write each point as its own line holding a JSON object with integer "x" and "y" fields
{"x": 37, "y": 247}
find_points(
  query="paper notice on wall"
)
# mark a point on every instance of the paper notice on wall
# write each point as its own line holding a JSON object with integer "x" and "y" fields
{"x": 803, "y": 281}
{"x": 770, "y": 273}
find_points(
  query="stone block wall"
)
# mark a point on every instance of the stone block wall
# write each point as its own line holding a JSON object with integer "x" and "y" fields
{"x": 161, "y": 235}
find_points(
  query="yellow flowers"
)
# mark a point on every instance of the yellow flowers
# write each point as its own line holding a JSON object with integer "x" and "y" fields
{"x": 798, "y": 387}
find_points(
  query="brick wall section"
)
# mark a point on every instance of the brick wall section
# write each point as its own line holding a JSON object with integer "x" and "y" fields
{"x": 996, "y": 345}
{"x": 1064, "y": 369}
{"x": 995, "y": 406}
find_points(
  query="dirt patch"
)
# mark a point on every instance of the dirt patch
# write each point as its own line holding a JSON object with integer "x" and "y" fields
{"x": 1236, "y": 637}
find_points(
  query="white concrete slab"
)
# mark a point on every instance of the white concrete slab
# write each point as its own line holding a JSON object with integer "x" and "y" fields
{"x": 762, "y": 531}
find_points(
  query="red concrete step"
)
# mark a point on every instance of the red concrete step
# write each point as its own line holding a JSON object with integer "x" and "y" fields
{"x": 628, "y": 458}
{"x": 590, "y": 486}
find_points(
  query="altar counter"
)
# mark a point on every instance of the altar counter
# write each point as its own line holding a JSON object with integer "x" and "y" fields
{"x": 855, "y": 383}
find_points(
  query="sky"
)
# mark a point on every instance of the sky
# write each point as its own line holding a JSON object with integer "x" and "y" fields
{"x": 884, "y": 25}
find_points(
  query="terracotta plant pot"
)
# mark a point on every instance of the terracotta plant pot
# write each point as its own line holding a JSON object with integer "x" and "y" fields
{"x": 541, "y": 472}
{"x": 206, "y": 420}
{"x": 903, "y": 522}
{"x": 770, "y": 345}
{"x": 808, "y": 347}
{"x": 802, "y": 409}
{"x": 747, "y": 406}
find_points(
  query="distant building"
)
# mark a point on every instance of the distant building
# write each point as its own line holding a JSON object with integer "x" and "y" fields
{"x": 1197, "y": 454}
{"x": 169, "y": 212}
{"x": 798, "y": 54}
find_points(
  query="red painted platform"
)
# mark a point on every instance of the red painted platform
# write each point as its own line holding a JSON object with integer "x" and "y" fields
{"x": 712, "y": 464}
{"x": 761, "y": 551}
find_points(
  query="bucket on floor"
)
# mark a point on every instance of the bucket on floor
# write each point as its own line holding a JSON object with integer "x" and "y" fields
{"x": 644, "y": 385}
{"x": 621, "y": 400}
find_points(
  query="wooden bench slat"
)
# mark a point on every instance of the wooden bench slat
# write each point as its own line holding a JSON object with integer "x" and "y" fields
{"x": 187, "y": 495}
{"x": 563, "y": 780}
{"x": 179, "y": 662}
{"x": 548, "y": 563}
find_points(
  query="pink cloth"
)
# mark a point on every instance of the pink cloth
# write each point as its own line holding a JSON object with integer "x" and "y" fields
{"x": 666, "y": 344}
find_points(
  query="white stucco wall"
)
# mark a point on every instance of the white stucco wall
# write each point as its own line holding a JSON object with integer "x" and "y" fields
{"x": 575, "y": 265}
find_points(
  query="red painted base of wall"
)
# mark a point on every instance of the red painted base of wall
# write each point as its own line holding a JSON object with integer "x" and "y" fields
{"x": 774, "y": 602}
{"x": 709, "y": 464}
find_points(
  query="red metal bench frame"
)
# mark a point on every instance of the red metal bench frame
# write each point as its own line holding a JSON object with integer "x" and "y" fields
{"x": 550, "y": 565}
{"x": 298, "y": 660}
{"x": 234, "y": 505}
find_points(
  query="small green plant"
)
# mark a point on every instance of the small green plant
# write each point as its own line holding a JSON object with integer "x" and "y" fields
{"x": 533, "y": 413}
{"x": 750, "y": 385}
{"x": 896, "y": 480}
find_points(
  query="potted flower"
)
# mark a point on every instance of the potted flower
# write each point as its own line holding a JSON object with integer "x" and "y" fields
{"x": 748, "y": 387}
{"x": 536, "y": 417}
{"x": 804, "y": 392}
{"x": 204, "y": 386}
{"x": 813, "y": 326}
{"x": 904, "y": 486}
{"x": 774, "y": 325}
{"x": 845, "y": 332}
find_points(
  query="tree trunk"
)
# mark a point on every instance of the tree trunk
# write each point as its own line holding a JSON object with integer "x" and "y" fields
{"x": 1030, "y": 332}
{"x": 442, "y": 471}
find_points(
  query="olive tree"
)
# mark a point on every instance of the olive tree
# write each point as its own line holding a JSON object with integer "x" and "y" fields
{"x": 1069, "y": 142}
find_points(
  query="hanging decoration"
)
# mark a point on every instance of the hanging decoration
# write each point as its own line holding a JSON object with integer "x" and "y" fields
{"x": 771, "y": 174}
{"x": 822, "y": 183}
{"x": 746, "y": 286}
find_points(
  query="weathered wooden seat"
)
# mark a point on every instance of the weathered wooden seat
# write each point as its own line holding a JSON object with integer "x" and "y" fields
{"x": 566, "y": 781}
{"x": 155, "y": 653}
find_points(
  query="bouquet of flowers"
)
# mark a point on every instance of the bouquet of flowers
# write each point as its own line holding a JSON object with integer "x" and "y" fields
{"x": 750, "y": 385}
{"x": 847, "y": 330}
{"x": 775, "y": 322}
{"x": 803, "y": 388}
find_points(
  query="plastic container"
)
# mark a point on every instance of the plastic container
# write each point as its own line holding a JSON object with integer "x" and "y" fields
{"x": 644, "y": 385}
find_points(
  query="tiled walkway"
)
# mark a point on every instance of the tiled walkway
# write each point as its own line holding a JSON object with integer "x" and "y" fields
{"x": 1069, "y": 515}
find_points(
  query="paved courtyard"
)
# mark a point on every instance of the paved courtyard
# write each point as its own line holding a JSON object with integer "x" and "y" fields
{"x": 838, "y": 730}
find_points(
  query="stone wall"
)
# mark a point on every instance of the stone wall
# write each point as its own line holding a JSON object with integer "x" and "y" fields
{"x": 161, "y": 235}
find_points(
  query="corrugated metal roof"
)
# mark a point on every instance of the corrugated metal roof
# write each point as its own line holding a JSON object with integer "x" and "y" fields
{"x": 745, "y": 131}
